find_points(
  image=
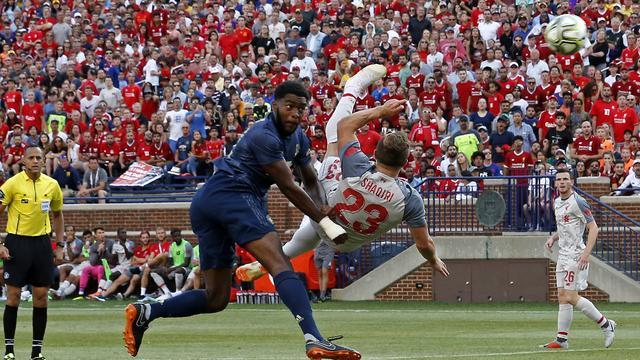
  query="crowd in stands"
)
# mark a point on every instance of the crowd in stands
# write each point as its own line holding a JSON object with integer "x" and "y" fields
{"x": 102, "y": 84}
{"x": 95, "y": 267}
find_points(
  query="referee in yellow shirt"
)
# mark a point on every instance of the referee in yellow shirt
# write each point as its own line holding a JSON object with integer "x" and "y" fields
{"x": 27, "y": 254}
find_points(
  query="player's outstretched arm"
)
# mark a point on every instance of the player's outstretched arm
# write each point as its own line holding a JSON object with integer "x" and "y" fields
{"x": 347, "y": 127}
{"x": 282, "y": 177}
{"x": 427, "y": 248}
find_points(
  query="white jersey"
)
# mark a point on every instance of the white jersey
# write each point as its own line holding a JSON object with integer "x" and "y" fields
{"x": 367, "y": 203}
{"x": 572, "y": 216}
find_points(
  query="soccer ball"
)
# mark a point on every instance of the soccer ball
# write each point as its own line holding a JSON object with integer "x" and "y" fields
{"x": 566, "y": 34}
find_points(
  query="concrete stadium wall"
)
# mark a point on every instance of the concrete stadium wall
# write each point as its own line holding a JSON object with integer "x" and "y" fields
{"x": 396, "y": 279}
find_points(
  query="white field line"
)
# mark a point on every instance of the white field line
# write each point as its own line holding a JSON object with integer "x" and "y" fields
{"x": 284, "y": 309}
{"x": 458, "y": 356}
{"x": 517, "y": 353}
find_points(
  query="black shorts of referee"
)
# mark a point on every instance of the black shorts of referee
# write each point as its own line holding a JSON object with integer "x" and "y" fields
{"x": 31, "y": 261}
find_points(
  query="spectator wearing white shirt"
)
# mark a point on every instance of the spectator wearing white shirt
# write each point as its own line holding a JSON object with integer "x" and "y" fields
{"x": 631, "y": 181}
{"x": 152, "y": 70}
{"x": 491, "y": 61}
{"x": 314, "y": 39}
{"x": 110, "y": 94}
{"x": 305, "y": 63}
{"x": 173, "y": 121}
{"x": 487, "y": 27}
{"x": 536, "y": 66}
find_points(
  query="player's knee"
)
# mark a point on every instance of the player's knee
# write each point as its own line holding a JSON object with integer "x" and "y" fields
{"x": 568, "y": 297}
{"x": 216, "y": 301}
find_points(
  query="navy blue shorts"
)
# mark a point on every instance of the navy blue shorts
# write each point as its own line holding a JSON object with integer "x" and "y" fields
{"x": 223, "y": 215}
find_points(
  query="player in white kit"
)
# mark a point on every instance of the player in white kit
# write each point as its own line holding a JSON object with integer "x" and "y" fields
{"x": 573, "y": 216}
{"x": 368, "y": 200}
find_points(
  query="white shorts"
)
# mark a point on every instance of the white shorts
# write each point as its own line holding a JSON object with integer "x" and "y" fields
{"x": 122, "y": 268}
{"x": 330, "y": 175}
{"x": 569, "y": 277}
{"x": 77, "y": 269}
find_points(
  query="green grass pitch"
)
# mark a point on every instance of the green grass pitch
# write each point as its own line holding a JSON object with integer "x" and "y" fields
{"x": 380, "y": 330}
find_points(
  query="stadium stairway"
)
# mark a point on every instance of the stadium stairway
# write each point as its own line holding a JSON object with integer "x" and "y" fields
{"x": 605, "y": 275}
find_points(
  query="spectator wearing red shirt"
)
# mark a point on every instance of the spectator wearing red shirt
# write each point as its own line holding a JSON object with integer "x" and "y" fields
{"x": 319, "y": 141}
{"x": 547, "y": 118}
{"x": 14, "y": 154}
{"x": 580, "y": 80}
{"x": 109, "y": 152}
{"x": 160, "y": 152}
{"x": 243, "y": 34}
{"x": 368, "y": 139}
{"x": 322, "y": 90}
{"x": 568, "y": 61}
{"x": 624, "y": 85}
{"x": 517, "y": 163}
{"x": 128, "y": 151}
{"x": 425, "y": 131}
{"x": 12, "y": 97}
{"x": 144, "y": 147}
{"x": 88, "y": 148}
{"x": 215, "y": 145}
{"x": 75, "y": 118}
{"x": 463, "y": 88}
{"x": 630, "y": 55}
{"x": 586, "y": 147}
{"x": 624, "y": 118}
{"x": 131, "y": 93}
{"x": 229, "y": 42}
{"x": 150, "y": 104}
{"x": 33, "y": 113}
{"x": 430, "y": 97}
{"x": 416, "y": 79}
{"x": 602, "y": 109}
{"x": 157, "y": 30}
{"x": 532, "y": 94}
{"x": 476, "y": 93}
{"x": 494, "y": 98}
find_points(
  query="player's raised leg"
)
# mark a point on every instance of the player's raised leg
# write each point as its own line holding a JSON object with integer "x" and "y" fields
{"x": 355, "y": 87}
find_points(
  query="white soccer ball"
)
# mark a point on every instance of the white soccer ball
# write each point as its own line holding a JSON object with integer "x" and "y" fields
{"x": 566, "y": 34}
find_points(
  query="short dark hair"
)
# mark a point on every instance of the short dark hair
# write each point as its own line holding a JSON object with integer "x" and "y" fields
{"x": 393, "y": 149}
{"x": 87, "y": 232}
{"x": 476, "y": 155}
{"x": 565, "y": 171}
{"x": 95, "y": 229}
{"x": 291, "y": 87}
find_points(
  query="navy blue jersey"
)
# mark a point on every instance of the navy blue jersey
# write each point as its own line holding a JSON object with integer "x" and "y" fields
{"x": 262, "y": 145}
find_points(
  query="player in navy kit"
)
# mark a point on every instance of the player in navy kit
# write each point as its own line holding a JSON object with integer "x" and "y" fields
{"x": 231, "y": 208}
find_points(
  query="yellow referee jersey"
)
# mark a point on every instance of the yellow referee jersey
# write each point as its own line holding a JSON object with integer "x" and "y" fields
{"x": 29, "y": 203}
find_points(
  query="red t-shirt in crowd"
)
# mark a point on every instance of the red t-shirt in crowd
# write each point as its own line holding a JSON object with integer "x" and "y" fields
{"x": 603, "y": 111}
{"x": 623, "y": 119}
{"x": 215, "y": 148}
{"x": 588, "y": 146}
{"x": 368, "y": 141}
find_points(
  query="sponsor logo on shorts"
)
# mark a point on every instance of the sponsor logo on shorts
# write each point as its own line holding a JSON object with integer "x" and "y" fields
{"x": 6, "y": 275}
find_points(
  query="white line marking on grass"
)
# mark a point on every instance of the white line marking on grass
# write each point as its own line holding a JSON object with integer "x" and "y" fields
{"x": 284, "y": 309}
{"x": 516, "y": 353}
